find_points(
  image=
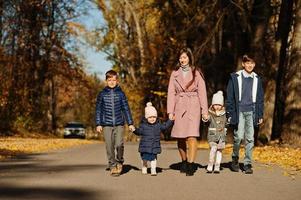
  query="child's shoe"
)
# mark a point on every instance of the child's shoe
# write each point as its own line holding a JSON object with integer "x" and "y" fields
{"x": 119, "y": 168}
{"x": 144, "y": 170}
{"x": 216, "y": 169}
{"x": 209, "y": 168}
{"x": 153, "y": 164}
{"x": 248, "y": 169}
{"x": 234, "y": 165}
{"x": 114, "y": 172}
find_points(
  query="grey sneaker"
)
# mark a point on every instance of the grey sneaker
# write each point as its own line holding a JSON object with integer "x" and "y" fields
{"x": 248, "y": 169}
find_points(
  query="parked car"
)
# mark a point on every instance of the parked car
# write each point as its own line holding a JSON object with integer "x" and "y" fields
{"x": 74, "y": 130}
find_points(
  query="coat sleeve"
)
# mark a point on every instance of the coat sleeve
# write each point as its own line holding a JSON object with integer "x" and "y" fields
{"x": 230, "y": 99}
{"x": 138, "y": 131}
{"x": 99, "y": 110}
{"x": 126, "y": 109}
{"x": 202, "y": 93}
{"x": 260, "y": 99}
{"x": 171, "y": 95}
{"x": 166, "y": 125}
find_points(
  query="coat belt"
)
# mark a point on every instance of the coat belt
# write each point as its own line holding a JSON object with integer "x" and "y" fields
{"x": 185, "y": 107}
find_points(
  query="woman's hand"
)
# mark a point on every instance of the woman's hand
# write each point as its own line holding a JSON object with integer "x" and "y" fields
{"x": 205, "y": 117}
{"x": 171, "y": 116}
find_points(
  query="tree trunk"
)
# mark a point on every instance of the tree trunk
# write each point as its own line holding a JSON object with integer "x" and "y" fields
{"x": 260, "y": 18}
{"x": 291, "y": 131}
{"x": 140, "y": 38}
{"x": 284, "y": 28}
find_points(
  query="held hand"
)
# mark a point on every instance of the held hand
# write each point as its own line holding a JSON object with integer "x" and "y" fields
{"x": 132, "y": 128}
{"x": 171, "y": 116}
{"x": 99, "y": 129}
{"x": 205, "y": 118}
{"x": 260, "y": 121}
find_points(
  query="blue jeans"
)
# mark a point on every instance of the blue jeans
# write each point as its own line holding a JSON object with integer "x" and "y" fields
{"x": 244, "y": 131}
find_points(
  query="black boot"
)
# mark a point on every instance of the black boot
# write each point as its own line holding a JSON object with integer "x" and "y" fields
{"x": 183, "y": 167}
{"x": 234, "y": 165}
{"x": 190, "y": 169}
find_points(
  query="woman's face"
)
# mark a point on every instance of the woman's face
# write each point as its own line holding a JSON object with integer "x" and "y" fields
{"x": 184, "y": 59}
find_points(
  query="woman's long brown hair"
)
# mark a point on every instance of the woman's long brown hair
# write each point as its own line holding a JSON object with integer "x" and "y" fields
{"x": 188, "y": 52}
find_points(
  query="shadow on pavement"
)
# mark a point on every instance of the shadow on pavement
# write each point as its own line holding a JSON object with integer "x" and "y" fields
{"x": 177, "y": 166}
{"x": 32, "y": 193}
{"x": 127, "y": 168}
{"x": 29, "y": 163}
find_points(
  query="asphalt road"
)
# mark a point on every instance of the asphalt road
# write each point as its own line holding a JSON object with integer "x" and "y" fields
{"x": 79, "y": 173}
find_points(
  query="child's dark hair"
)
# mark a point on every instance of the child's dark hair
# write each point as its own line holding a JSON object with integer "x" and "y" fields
{"x": 248, "y": 58}
{"x": 110, "y": 74}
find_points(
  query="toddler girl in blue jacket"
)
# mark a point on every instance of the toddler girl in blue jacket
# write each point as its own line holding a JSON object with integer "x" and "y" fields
{"x": 150, "y": 131}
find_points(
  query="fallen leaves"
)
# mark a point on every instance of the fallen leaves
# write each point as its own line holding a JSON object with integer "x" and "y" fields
{"x": 11, "y": 146}
{"x": 286, "y": 157}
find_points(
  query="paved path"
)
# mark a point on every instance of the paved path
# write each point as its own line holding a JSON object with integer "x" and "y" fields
{"x": 79, "y": 173}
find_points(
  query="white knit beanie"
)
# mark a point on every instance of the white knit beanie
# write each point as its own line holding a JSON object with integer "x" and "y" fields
{"x": 150, "y": 111}
{"x": 218, "y": 98}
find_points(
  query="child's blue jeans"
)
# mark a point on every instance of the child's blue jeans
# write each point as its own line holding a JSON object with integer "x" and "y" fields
{"x": 244, "y": 131}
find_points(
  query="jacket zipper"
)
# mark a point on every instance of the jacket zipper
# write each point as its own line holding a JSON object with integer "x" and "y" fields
{"x": 113, "y": 106}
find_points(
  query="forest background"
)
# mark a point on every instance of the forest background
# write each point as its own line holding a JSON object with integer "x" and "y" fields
{"x": 44, "y": 83}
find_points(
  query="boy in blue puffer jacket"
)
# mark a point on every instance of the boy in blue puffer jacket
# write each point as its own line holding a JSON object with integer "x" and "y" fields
{"x": 112, "y": 110}
{"x": 150, "y": 130}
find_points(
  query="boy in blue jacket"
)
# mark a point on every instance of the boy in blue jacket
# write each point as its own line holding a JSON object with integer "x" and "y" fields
{"x": 150, "y": 130}
{"x": 244, "y": 110}
{"x": 112, "y": 110}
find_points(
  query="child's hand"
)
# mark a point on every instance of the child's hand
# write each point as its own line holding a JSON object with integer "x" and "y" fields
{"x": 99, "y": 129}
{"x": 132, "y": 128}
{"x": 260, "y": 121}
{"x": 171, "y": 116}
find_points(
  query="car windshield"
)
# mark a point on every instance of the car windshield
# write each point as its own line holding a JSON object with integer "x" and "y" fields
{"x": 74, "y": 125}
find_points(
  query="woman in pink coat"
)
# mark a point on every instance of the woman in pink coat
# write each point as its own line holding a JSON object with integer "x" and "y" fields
{"x": 186, "y": 101}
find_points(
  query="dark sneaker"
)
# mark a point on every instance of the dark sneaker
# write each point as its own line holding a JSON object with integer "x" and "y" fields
{"x": 183, "y": 167}
{"x": 234, "y": 166}
{"x": 248, "y": 169}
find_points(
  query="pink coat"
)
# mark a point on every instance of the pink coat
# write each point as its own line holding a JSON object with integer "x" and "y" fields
{"x": 186, "y": 104}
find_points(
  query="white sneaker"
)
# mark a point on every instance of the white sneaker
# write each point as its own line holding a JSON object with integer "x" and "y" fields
{"x": 153, "y": 167}
{"x": 217, "y": 169}
{"x": 144, "y": 170}
{"x": 209, "y": 168}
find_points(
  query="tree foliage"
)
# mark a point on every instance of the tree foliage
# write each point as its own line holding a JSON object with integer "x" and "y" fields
{"x": 35, "y": 64}
{"x": 142, "y": 39}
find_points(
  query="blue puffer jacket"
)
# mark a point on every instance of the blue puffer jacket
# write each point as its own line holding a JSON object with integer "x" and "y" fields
{"x": 150, "y": 135}
{"x": 112, "y": 108}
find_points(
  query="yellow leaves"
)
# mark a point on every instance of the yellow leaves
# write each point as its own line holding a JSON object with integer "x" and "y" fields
{"x": 286, "y": 157}
{"x": 13, "y": 146}
{"x": 159, "y": 93}
{"x": 75, "y": 28}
